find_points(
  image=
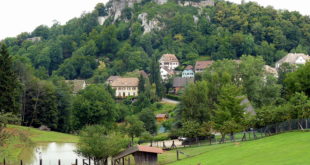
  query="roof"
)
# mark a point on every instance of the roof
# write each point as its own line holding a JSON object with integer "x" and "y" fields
{"x": 203, "y": 64}
{"x": 139, "y": 148}
{"x": 270, "y": 70}
{"x": 170, "y": 71}
{"x": 142, "y": 72}
{"x": 169, "y": 58}
{"x": 292, "y": 57}
{"x": 125, "y": 82}
{"x": 182, "y": 81}
{"x": 77, "y": 85}
{"x": 249, "y": 108}
{"x": 161, "y": 115}
{"x": 112, "y": 78}
{"x": 189, "y": 67}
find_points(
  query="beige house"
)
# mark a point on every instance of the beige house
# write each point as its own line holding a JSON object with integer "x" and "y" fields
{"x": 270, "y": 70}
{"x": 169, "y": 61}
{"x": 124, "y": 87}
{"x": 76, "y": 85}
{"x": 293, "y": 59}
{"x": 200, "y": 66}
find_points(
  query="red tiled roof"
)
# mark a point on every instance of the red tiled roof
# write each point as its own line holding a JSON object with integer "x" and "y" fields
{"x": 161, "y": 115}
{"x": 125, "y": 82}
{"x": 150, "y": 149}
{"x": 189, "y": 67}
{"x": 169, "y": 58}
{"x": 203, "y": 64}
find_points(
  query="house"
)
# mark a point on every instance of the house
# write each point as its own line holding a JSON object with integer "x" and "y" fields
{"x": 169, "y": 61}
{"x": 112, "y": 79}
{"x": 124, "y": 87}
{"x": 180, "y": 83}
{"x": 270, "y": 70}
{"x": 76, "y": 85}
{"x": 34, "y": 39}
{"x": 161, "y": 117}
{"x": 249, "y": 109}
{"x": 188, "y": 72}
{"x": 200, "y": 66}
{"x": 293, "y": 59}
{"x": 166, "y": 73}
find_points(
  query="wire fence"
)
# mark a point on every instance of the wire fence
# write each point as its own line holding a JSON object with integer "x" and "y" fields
{"x": 183, "y": 151}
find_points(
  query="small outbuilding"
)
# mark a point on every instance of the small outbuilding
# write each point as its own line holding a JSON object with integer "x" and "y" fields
{"x": 143, "y": 155}
{"x": 161, "y": 117}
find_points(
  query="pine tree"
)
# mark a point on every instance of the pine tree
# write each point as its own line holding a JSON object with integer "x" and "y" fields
{"x": 8, "y": 83}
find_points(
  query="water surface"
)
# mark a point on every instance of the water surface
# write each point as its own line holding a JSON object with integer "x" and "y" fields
{"x": 50, "y": 153}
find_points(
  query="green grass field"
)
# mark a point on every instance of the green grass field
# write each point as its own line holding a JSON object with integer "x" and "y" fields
{"x": 46, "y": 136}
{"x": 285, "y": 149}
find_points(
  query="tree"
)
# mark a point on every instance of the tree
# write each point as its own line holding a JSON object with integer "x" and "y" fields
{"x": 299, "y": 106}
{"x": 134, "y": 127}
{"x": 190, "y": 129}
{"x": 98, "y": 143}
{"x": 148, "y": 118}
{"x": 229, "y": 114}
{"x": 94, "y": 105}
{"x": 141, "y": 87}
{"x": 9, "y": 84}
{"x": 194, "y": 102}
{"x": 299, "y": 81}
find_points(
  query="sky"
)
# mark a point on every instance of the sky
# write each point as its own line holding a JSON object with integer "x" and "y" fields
{"x": 25, "y": 15}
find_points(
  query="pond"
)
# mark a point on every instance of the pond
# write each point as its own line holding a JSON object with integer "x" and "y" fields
{"x": 50, "y": 153}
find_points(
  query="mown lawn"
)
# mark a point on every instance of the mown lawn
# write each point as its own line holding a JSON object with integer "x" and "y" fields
{"x": 285, "y": 149}
{"x": 166, "y": 108}
{"x": 46, "y": 136}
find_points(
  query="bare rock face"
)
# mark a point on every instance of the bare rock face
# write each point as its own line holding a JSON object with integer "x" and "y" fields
{"x": 160, "y": 2}
{"x": 116, "y": 7}
{"x": 200, "y": 4}
{"x": 149, "y": 25}
{"x": 101, "y": 19}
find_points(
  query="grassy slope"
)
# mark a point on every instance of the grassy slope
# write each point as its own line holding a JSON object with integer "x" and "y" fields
{"x": 15, "y": 145}
{"x": 285, "y": 149}
{"x": 47, "y": 136}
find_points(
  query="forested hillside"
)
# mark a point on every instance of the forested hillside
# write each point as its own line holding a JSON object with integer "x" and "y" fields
{"x": 225, "y": 30}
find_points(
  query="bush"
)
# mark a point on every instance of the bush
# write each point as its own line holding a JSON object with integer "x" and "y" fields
{"x": 173, "y": 97}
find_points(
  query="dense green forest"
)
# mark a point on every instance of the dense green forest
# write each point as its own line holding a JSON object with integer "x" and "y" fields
{"x": 83, "y": 49}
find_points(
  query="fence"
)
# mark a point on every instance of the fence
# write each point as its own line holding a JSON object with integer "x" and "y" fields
{"x": 41, "y": 162}
{"x": 250, "y": 134}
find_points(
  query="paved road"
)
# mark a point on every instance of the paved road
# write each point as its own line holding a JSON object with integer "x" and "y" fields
{"x": 166, "y": 100}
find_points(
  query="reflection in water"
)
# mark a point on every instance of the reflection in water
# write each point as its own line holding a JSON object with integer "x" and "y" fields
{"x": 50, "y": 153}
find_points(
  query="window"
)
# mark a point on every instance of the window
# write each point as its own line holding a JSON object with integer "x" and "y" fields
{"x": 128, "y": 93}
{"x": 134, "y": 93}
{"x": 128, "y": 88}
{"x": 119, "y": 94}
{"x": 119, "y": 88}
{"x": 133, "y": 88}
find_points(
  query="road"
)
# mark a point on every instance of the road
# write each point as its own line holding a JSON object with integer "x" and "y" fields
{"x": 166, "y": 100}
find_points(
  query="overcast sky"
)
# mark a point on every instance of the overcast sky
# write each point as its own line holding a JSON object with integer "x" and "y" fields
{"x": 18, "y": 16}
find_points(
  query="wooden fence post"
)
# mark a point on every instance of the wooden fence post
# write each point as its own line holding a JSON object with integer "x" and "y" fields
{"x": 4, "y": 161}
{"x": 88, "y": 161}
{"x": 40, "y": 161}
{"x": 21, "y": 162}
{"x": 178, "y": 155}
{"x": 59, "y": 163}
